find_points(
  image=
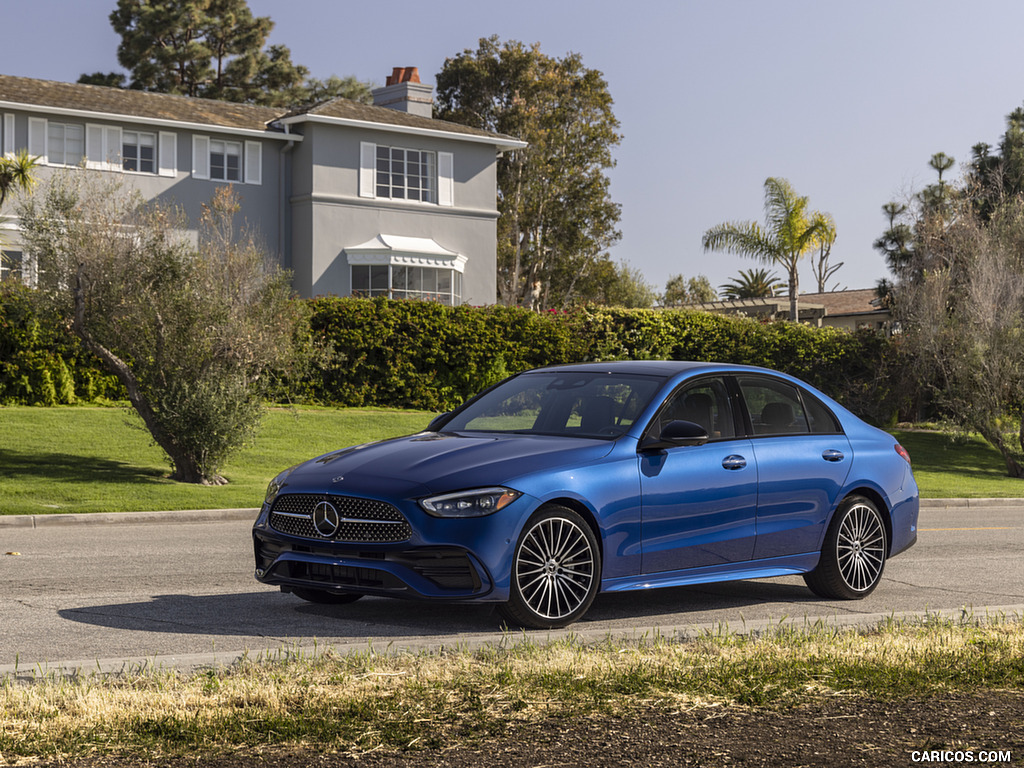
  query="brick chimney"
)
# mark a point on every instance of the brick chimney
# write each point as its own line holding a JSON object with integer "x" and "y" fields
{"x": 404, "y": 92}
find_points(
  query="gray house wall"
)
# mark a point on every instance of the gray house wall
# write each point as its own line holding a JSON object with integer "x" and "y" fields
{"x": 307, "y": 207}
{"x": 325, "y": 193}
{"x": 261, "y": 203}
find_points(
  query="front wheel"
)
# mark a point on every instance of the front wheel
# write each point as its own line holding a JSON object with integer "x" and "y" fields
{"x": 556, "y": 570}
{"x": 853, "y": 555}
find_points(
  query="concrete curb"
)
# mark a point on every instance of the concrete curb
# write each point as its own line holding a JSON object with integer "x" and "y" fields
{"x": 123, "y": 518}
{"x": 189, "y": 663}
{"x": 969, "y": 503}
{"x": 220, "y": 515}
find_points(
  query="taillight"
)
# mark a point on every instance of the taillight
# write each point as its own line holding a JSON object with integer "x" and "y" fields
{"x": 902, "y": 452}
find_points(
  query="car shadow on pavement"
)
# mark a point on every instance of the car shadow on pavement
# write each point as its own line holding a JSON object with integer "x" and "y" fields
{"x": 280, "y": 616}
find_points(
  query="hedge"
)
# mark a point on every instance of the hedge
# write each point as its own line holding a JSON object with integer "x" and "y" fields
{"x": 378, "y": 352}
{"x": 42, "y": 363}
{"x": 425, "y": 355}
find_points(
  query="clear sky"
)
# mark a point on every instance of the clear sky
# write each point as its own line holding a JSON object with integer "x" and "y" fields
{"x": 847, "y": 101}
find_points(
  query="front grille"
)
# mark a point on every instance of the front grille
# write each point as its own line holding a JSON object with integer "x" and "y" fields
{"x": 365, "y": 520}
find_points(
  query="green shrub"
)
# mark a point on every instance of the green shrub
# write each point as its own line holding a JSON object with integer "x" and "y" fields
{"x": 410, "y": 354}
{"x": 40, "y": 361}
{"x": 425, "y": 355}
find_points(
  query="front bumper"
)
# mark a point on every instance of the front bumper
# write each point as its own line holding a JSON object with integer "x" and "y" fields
{"x": 393, "y": 549}
{"x": 416, "y": 572}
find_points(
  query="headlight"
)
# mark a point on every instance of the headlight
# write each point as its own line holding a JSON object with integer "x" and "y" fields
{"x": 476, "y": 503}
{"x": 276, "y": 485}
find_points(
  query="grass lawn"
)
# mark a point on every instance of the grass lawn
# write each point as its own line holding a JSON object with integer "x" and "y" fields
{"x": 88, "y": 459}
{"x": 364, "y": 702}
{"x": 949, "y": 467}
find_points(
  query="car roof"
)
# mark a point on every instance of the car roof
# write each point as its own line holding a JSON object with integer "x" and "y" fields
{"x": 649, "y": 367}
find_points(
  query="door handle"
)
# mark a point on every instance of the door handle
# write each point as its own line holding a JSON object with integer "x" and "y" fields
{"x": 734, "y": 462}
{"x": 832, "y": 455}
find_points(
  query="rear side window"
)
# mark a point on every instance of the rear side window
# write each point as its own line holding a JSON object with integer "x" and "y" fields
{"x": 779, "y": 408}
{"x": 822, "y": 420}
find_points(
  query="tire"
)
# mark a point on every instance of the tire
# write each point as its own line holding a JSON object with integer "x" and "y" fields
{"x": 853, "y": 555}
{"x": 556, "y": 570}
{"x": 323, "y": 597}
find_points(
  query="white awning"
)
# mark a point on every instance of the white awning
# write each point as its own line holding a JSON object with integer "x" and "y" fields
{"x": 405, "y": 251}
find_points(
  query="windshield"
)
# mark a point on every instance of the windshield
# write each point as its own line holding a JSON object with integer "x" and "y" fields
{"x": 564, "y": 403}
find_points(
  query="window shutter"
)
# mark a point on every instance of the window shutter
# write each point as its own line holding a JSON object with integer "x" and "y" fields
{"x": 8, "y": 135}
{"x": 37, "y": 137}
{"x": 253, "y": 162}
{"x": 168, "y": 154}
{"x": 200, "y": 157}
{"x": 95, "y": 157}
{"x": 367, "y": 169}
{"x": 445, "y": 179}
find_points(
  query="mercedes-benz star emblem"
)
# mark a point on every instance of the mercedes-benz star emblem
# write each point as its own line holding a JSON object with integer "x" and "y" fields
{"x": 326, "y": 519}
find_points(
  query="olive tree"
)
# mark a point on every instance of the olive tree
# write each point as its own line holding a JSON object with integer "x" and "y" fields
{"x": 960, "y": 304}
{"x": 190, "y": 325}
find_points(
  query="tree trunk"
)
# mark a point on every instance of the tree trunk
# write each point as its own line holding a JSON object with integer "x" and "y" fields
{"x": 186, "y": 468}
{"x": 1013, "y": 467}
{"x": 794, "y": 292}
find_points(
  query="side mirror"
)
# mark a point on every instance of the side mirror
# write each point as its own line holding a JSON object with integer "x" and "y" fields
{"x": 437, "y": 421}
{"x": 678, "y": 433}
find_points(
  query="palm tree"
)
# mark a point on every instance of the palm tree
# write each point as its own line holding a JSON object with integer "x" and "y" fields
{"x": 753, "y": 284}
{"x": 16, "y": 173}
{"x": 790, "y": 231}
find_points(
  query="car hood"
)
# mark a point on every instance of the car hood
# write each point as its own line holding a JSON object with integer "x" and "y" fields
{"x": 432, "y": 462}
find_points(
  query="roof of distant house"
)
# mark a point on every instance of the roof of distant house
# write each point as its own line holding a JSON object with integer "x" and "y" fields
{"x": 861, "y": 301}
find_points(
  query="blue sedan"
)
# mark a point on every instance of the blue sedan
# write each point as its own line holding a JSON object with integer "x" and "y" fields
{"x": 562, "y": 482}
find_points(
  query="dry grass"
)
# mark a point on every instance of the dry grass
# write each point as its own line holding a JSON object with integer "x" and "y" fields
{"x": 374, "y": 700}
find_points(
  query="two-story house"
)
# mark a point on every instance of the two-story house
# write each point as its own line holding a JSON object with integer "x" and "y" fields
{"x": 371, "y": 200}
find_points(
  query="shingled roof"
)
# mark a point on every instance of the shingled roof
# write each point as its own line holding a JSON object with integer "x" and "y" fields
{"x": 184, "y": 109}
{"x": 119, "y": 101}
{"x": 346, "y": 109}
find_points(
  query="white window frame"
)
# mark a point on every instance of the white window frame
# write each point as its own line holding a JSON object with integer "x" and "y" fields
{"x": 138, "y": 144}
{"x": 226, "y": 145}
{"x": 48, "y": 146}
{"x": 6, "y": 263}
{"x": 454, "y": 273}
{"x": 442, "y": 180}
{"x": 102, "y": 147}
{"x": 250, "y": 159}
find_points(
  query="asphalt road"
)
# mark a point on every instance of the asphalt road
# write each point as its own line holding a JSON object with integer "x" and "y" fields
{"x": 180, "y": 593}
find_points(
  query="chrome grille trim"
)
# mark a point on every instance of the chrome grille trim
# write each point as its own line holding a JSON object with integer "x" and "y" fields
{"x": 360, "y": 520}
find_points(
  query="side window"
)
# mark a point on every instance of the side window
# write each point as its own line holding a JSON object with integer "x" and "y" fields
{"x": 775, "y": 407}
{"x": 823, "y": 422}
{"x": 705, "y": 402}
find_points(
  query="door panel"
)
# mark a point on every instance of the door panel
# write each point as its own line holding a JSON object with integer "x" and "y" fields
{"x": 698, "y": 511}
{"x": 803, "y": 460}
{"x": 798, "y": 487}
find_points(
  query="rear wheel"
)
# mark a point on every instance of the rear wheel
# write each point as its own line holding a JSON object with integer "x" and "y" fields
{"x": 556, "y": 570}
{"x": 323, "y": 597}
{"x": 853, "y": 555}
